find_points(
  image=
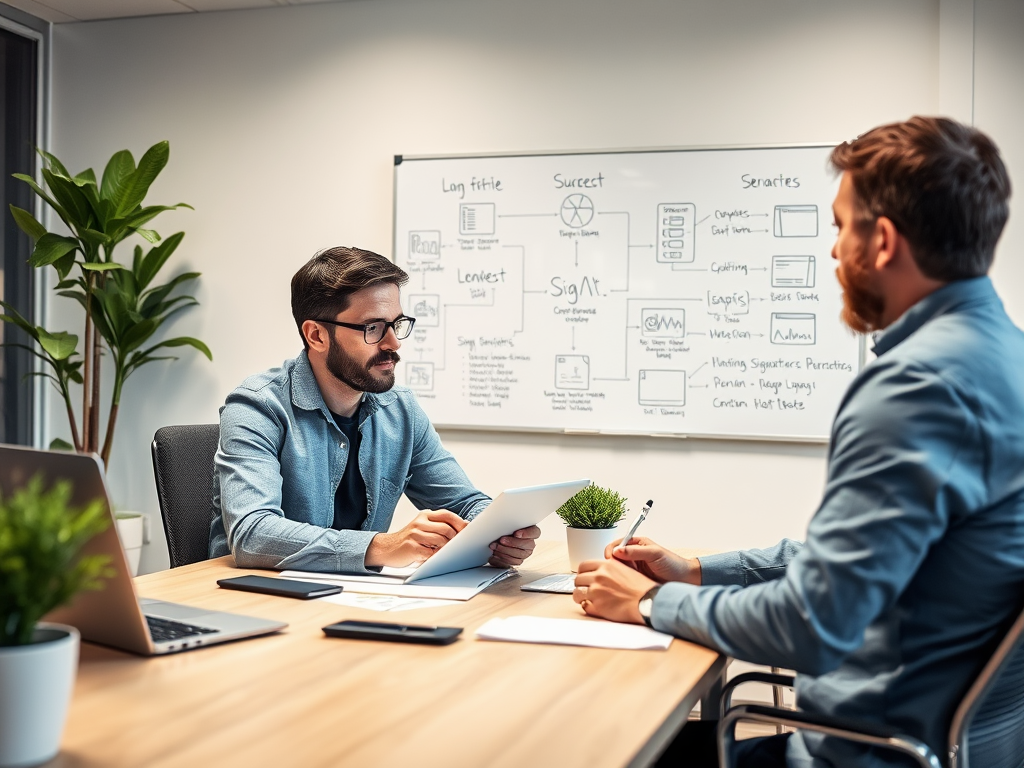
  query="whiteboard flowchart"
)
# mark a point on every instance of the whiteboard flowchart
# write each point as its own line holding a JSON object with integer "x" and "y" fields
{"x": 686, "y": 292}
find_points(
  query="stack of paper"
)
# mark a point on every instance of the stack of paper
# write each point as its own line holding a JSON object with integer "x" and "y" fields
{"x": 459, "y": 585}
{"x": 595, "y": 634}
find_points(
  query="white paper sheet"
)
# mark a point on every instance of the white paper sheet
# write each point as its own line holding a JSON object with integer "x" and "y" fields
{"x": 594, "y": 634}
{"x": 460, "y": 585}
{"x": 385, "y": 602}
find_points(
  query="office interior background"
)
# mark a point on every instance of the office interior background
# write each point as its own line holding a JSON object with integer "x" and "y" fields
{"x": 283, "y": 122}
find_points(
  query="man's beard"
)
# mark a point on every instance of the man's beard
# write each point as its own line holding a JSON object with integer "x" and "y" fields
{"x": 862, "y": 306}
{"x": 359, "y": 378}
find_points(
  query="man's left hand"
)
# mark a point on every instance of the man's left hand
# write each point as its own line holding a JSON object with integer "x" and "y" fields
{"x": 611, "y": 590}
{"x": 514, "y": 548}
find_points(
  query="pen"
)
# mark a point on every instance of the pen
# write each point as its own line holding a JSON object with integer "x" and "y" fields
{"x": 636, "y": 524}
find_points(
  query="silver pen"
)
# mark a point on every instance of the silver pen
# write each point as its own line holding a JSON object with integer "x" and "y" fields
{"x": 636, "y": 524}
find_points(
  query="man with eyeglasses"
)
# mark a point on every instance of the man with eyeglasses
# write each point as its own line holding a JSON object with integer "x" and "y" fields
{"x": 315, "y": 455}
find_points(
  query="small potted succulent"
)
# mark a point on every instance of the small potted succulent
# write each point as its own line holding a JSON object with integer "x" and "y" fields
{"x": 592, "y": 517}
{"x": 41, "y": 568}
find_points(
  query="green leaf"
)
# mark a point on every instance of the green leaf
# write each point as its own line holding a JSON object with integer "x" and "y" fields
{"x": 93, "y": 237}
{"x": 135, "y": 336}
{"x": 181, "y": 341}
{"x": 155, "y": 295}
{"x": 67, "y": 193}
{"x": 54, "y": 165}
{"x": 120, "y": 167}
{"x": 58, "y": 444}
{"x": 156, "y": 258}
{"x": 51, "y": 247}
{"x": 27, "y": 223}
{"x": 64, "y": 265}
{"x": 149, "y": 234}
{"x": 86, "y": 178}
{"x": 59, "y": 346}
{"x": 41, "y": 193}
{"x": 137, "y": 184}
{"x": 102, "y": 266}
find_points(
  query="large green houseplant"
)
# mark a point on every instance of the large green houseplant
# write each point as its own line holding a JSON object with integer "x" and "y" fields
{"x": 124, "y": 307}
{"x": 41, "y": 568}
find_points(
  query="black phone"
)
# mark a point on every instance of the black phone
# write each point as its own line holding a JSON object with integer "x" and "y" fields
{"x": 303, "y": 590}
{"x": 400, "y": 633}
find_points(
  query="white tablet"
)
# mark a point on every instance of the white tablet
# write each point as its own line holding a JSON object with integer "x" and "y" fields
{"x": 513, "y": 509}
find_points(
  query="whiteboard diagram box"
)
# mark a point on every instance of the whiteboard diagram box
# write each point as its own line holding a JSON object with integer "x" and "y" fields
{"x": 658, "y": 323}
{"x": 426, "y": 308}
{"x": 662, "y": 387}
{"x": 425, "y": 245}
{"x": 476, "y": 218}
{"x": 794, "y": 328}
{"x": 796, "y": 221}
{"x": 793, "y": 271}
{"x": 572, "y": 372}
{"x": 675, "y": 228}
{"x": 419, "y": 377}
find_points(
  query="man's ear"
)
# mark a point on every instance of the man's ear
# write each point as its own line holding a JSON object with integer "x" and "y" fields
{"x": 315, "y": 335}
{"x": 887, "y": 243}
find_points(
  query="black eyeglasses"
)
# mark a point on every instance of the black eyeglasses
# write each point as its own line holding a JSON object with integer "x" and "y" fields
{"x": 374, "y": 332}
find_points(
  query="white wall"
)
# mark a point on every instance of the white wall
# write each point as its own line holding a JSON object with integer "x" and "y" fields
{"x": 283, "y": 123}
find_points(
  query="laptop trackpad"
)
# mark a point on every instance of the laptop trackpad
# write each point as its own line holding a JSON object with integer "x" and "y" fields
{"x": 171, "y": 610}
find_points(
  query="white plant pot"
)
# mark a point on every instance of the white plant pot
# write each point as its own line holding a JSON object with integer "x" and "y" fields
{"x": 35, "y": 689}
{"x": 588, "y": 544}
{"x": 130, "y": 529}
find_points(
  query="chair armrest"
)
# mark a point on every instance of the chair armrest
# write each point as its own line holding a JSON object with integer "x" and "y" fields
{"x": 860, "y": 732}
{"x": 785, "y": 681}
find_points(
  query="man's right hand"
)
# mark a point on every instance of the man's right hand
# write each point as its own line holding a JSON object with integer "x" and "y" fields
{"x": 655, "y": 562}
{"x": 417, "y": 541}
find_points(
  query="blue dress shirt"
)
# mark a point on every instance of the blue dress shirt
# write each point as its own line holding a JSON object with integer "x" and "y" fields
{"x": 913, "y": 565}
{"x": 282, "y": 456}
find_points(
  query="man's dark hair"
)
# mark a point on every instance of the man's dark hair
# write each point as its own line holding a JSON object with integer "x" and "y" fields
{"x": 942, "y": 184}
{"x": 323, "y": 285}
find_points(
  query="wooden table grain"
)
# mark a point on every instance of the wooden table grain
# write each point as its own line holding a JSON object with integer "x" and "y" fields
{"x": 299, "y": 698}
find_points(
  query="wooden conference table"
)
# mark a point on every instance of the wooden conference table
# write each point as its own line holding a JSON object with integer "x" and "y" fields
{"x": 299, "y": 698}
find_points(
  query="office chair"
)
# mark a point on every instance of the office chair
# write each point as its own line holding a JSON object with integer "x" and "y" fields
{"x": 987, "y": 730}
{"x": 183, "y": 466}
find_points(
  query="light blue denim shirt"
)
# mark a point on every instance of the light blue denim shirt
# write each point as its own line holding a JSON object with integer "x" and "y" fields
{"x": 281, "y": 458}
{"x": 914, "y": 562}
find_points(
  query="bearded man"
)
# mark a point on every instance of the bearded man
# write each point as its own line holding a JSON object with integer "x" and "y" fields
{"x": 315, "y": 455}
{"x": 913, "y": 564}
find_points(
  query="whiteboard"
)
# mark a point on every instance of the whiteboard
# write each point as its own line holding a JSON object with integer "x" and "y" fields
{"x": 672, "y": 292}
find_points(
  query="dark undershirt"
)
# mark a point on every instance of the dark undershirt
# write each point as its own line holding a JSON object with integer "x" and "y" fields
{"x": 350, "y": 499}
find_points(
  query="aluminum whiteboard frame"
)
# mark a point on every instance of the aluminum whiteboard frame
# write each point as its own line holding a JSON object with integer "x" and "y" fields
{"x": 400, "y": 159}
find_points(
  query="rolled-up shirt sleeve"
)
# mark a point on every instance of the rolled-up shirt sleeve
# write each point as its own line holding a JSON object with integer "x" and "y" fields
{"x": 900, "y": 452}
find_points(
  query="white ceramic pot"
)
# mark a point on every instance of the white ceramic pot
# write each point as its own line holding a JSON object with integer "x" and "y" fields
{"x": 588, "y": 544}
{"x": 130, "y": 529}
{"x": 36, "y": 681}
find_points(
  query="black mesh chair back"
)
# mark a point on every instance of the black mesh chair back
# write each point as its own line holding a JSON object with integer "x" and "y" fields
{"x": 988, "y": 728}
{"x": 183, "y": 466}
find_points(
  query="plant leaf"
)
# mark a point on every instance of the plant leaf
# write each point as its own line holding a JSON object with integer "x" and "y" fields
{"x": 137, "y": 184}
{"x": 120, "y": 167}
{"x": 149, "y": 234}
{"x": 51, "y": 247}
{"x": 155, "y": 259}
{"x": 60, "y": 345}
{"x": 102, "y": 266}
{"x": 27, "y": 223}
{"x": 58, "y": 444}
{"x": 181, "y": 341}
{"x": 67, "y": 193}
{"x": 41, "y": 193}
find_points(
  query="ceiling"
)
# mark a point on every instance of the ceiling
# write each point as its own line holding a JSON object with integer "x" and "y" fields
{"x": 60, "y": 11}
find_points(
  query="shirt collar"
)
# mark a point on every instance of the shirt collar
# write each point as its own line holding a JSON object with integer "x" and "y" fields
{"x": 306, "y": 392}
{"x": 946, "y": 299}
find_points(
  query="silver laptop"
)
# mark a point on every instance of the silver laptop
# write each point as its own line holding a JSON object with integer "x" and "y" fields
{"x": 115, "y": 616}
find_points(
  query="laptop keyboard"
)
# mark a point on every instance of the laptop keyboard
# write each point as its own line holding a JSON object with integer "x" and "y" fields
{"x": 162, "y": 630}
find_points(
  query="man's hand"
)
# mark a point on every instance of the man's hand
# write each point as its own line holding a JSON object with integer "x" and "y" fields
{"x": 417, "y": 541}
{"x": 610, "y": 590}
{"x": 515, "y": 548}
{"x": 656, "y": 562}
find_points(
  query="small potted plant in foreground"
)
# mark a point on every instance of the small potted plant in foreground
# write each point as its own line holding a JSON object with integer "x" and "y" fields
{"x": 592, "y": 516}
{"x": 40, "y": 569}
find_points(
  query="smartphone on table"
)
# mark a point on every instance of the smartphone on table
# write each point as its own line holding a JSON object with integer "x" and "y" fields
{"x": 400, "y": 633}
{"x": 275, "y": 585}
